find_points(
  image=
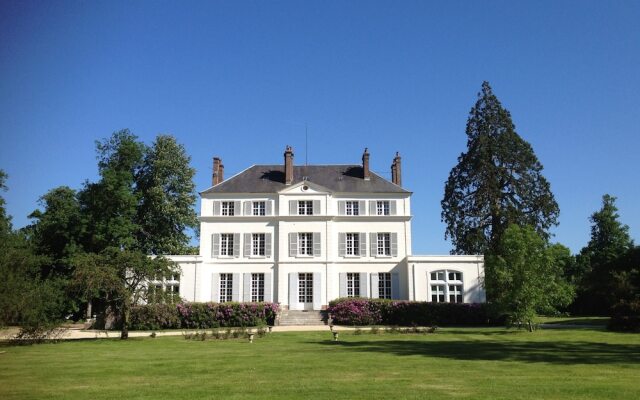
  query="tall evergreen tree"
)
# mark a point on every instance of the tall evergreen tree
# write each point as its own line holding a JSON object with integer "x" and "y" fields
{"x": 5, "y": 219}
{"x": 498, "y": 181}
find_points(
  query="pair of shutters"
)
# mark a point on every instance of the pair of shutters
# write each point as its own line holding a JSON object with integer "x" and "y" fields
{"x": 373, "y": 241}
{"x": 342, "y": 207}
{"x": 293, "y": 244}
{"x": 362, "y": 243}
{"x": 235, "y": 287}
{"x": 247, "y": 208}
{"x": 364, "y": 284}
{"x": 294, "y": 288}
{"x": 375, "y": 285}
{"x": 373, "y": 207}
{"x": 293, "y": 207}
{"x": 248, "y": 242}
{"x": 215, "y": 249}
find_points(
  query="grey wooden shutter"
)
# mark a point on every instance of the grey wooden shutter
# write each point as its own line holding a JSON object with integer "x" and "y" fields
{"x": 316, "y": 207}
{"x": 372, "y": 207}
{"x": 246, "y": 294}
{"x": 317, "y": 291}
{"x": 236, "y": 245}
{"x": 362, "y": 207}
{"x": 317, "y": 246}
{"x": 293, "y": 244}
{"x": 395, "y": 286}
{"x": 235, "y": 287}
{"x": 392, "y": 207}
{"x": 343, "y": 284}
{"x": 293, "y": 291}
{"x": 237, "y": 210}
{"x": 247, "y": 245}
{"x": 248, "y": 209}
{"x": 373, "y": 244}
{"x": 394, "y": 244}
{"x": 268, "y": 207}
{"x": 375, "y": 281}
{"x": 215, "y": 245}
{"x": 364, "y": 292}
{"x": 342, "y": 207}
{"x": 267, "y": 245}
{"x": 216, "y": 208}
{"x": 268, "y": 291}
{"x": 342, "y": 244}
{"x": 363, "y": 244}
{"x": 293, "y": 207}
{"x": 215, "y": 287}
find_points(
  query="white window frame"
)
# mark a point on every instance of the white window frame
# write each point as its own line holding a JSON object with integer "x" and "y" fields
{"x": 352, "y": 207}
{"x": 305, "y": 287}
{"x": 257, "y": 287}
{"x": 305, "y": 207}
{"x": 227, "y": 208}
{"x": 305, "y": 244}
{"x": 444, "y": 283}
{"x": 353, "y": 284}
{"x": 383, "y": 207}
{"x": 384, "y": 285}
{"x": 352, "y": 244}
{"x": 259, "y": 208}
{"x": 226, "y": 288}
{"x": 383, "y": 244}
{"x": 258, "y": 245}
{"x": 226, "y": 245}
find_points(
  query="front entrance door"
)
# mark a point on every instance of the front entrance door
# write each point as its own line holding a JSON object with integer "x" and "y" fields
{"x": 305, "y": 290}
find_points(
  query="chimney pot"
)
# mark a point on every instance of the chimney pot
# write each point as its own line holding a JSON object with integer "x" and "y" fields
{"x": 288, "y": 165}
{"x": 396, "y": 170}
{"x": 366, "y": 174}
{"x": 216, "y": 176}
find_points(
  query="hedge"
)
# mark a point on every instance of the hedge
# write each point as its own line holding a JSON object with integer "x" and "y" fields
{"x": 202, "y": 315}
{"x": 360, "y": 311}
{"x": 625, "y": 316}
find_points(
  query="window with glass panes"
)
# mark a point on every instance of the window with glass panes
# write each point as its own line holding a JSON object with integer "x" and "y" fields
{"x": 352, "y": 208}
{"x": 353, "y": 284}
{"x": 305, "y": 288}
{"x": 228, "y": 208}
{"x": 384, "y": 244}
{"x": 446, "y": 286}
{"x": 257, "y": 244}
{"x": 382, "y": 207}
{"x": 305, "y": 244}
{"x": 305, "y": 207}
{"x": 384, "y": 285}
{"x": 226, "y": 288}
{"x": 226, "y": 244}
{"x": 353, "y": 244}
{"x": 257, "y": 287}
{"x": 259, "y": 208}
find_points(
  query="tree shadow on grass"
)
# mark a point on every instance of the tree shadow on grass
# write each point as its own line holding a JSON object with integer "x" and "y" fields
{"x": 544, "y": 352}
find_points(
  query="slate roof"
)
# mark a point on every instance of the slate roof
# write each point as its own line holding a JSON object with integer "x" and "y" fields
{"x": 337, "y": 178}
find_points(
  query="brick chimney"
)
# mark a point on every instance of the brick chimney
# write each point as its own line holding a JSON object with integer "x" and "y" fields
{"x": 288, "y": 165}
{"x": 396, "y": 170}
{"x": 218, "y": 171}
{"x": 366, "y": 175}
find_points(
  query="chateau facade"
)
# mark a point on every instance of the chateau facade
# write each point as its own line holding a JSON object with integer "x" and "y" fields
{"x": 305, "y": 235}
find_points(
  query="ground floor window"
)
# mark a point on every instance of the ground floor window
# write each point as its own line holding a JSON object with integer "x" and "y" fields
{"x": 446, "y": 286}
{"x": 384, "y": 285}
{"x": 257, "y": 287}
{"x": 226, "y": 288}
{"x": 305, "y": 288}
{"x": 353, "y": 285}
{"x": 437, "y": 293}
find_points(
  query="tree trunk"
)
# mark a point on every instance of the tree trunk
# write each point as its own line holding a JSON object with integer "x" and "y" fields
{"x": 124, "y": 334}
{"x": 530, "y": 326}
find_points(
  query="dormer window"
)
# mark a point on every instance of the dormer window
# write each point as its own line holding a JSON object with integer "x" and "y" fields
{"x": 305, "y": 207}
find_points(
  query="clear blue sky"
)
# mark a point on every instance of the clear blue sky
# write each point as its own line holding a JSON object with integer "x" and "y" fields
{"x": 240, "y": 79}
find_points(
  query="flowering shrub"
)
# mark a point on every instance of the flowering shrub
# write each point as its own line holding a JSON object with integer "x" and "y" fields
{"x": 359, "y": 311}
{"x": 202, "y": 315}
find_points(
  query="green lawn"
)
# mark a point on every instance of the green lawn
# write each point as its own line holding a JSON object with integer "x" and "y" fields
{"x": 468, "y": 363}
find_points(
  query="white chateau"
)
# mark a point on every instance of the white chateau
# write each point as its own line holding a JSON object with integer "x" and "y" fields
{"x": 302, "y": 236}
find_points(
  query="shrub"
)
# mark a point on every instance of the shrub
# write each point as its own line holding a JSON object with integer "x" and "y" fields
{"x": 154, "y": 316}
{"x": 625, "y": 316}
{"x": 359, "y": 311}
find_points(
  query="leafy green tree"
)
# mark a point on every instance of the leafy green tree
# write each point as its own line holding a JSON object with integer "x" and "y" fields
{"x": 498, "y": 181}
{"x": 167, "y": 196}
{"x": 5, "y": 219}
{"x": 601, "y": 262}
{"x": 526, "y": 276}
{"x": 120, "y": 277}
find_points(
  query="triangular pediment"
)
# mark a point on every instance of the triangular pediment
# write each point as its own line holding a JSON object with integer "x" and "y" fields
{"x": 305, "y": 187}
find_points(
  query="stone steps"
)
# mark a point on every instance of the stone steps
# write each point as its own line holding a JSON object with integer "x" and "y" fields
{"x": 298, "y": 318}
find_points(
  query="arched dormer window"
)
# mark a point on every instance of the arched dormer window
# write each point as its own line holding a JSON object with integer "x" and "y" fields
{"x": 446, "y": 286}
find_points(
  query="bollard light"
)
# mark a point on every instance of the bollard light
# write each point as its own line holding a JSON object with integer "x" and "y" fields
{"x": 251, "y": 337}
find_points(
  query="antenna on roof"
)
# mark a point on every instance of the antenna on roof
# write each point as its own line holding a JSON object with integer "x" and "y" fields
{"x": 306, "y": 144}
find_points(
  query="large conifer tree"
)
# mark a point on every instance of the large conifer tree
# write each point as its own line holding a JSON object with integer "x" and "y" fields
{"x": 497, "y": 182}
